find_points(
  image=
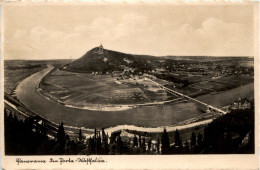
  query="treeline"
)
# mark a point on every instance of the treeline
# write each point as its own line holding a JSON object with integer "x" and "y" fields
{"x": 23, "y": 137}
{"x": 27, "y": 66}
{"x": 29, "y": 137}
{"x": 232, "y": 133}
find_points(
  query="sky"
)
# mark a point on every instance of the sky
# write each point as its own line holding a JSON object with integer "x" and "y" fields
{"x": 41, "y": 32}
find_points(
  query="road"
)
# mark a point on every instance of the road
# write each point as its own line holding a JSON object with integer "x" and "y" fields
{"x": 51, "y": 128}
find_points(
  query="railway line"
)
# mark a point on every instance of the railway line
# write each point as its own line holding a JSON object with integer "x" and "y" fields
{"x": 19, "y": 109}
{"x": 188, "y": 97}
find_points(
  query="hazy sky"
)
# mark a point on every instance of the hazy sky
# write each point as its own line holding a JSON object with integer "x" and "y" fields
{"x": 58, "y": 32}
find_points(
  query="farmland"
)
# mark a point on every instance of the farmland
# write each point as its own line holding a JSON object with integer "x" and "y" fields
{"x": 17, "y": 70}
{"x": 219, "y": 84}
{"x": 74, "y": 88}
{"x": 83, "y": 88}
{"x": 153, "y": 116}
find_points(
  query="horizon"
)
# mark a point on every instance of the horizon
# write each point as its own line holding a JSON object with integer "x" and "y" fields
{"x": 251, "y": 57}
{"x": 47, "y": 32}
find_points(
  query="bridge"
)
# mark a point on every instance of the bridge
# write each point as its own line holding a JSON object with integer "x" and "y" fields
{"x": 210, "y": 107}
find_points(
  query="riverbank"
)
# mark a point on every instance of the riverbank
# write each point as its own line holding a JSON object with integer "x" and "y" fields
{"x": 87, "y": 132}
{"x": 90, "y": 93}
{"x": 109, "y": 107}
{"x": 98, "y": 107}
{"x": 187, "y": 123}
{"x": 154, "y": 116}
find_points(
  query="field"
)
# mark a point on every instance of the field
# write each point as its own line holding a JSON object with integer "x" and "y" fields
{"x": 84, "y": 88}
{"x": 17, "y": 70}
{"x": 210, "y": 85}
{"x": 81, "y": 89}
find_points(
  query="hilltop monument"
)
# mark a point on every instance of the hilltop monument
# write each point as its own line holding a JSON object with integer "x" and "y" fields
{"x": 100, "y": 50}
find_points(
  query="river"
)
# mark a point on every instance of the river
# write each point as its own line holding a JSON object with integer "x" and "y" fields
{"x": 28, "y": 93}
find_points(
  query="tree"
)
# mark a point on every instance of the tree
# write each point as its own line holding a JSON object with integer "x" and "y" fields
{"x": 187, "y": 148}
{"x": 80, "y": 135}
{"x": 149, "y": 144}
{"x": 119, "y": 145}
{"x": 165, "y": 143}
{"x": 26, "y": 137}
{"x": 251, "y": 143}
{"x": 91, "y": 145}
{"x": 95, "y": 134}
{"x": 44, "y": 130}
{"x": 193, "y": 139}
{"x": 112, "y": 139}
{"x": 177, "y": 138}
{"x": 68, "y": 145}
{"x": 61, "y": 139}
{"x": 135, "y": 141}
{"x": 140, "y": 141}
{"x": 200, "y": 139}
{"x": 105, "y": 146}
{"x": 158, "y": 145}
{"x": 143, "y": 145}
{"x": 98, "y": 144}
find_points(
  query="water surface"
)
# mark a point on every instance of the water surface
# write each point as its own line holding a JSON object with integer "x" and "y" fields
{"x": 27, "y": 92}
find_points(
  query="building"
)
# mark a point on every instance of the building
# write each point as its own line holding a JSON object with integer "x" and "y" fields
{"x": 100, "y": 50}
{"x": 241, "y": 104}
